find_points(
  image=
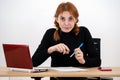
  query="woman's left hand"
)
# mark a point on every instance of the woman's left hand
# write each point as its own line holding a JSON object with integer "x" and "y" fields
{"x": 79, "y": 56}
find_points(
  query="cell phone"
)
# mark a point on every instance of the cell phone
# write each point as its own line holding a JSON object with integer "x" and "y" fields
{"x": 39, "y": 70}
{"x": 104, "y": 69}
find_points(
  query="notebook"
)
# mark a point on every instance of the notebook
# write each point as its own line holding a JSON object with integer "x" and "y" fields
{"x": 18, "y": 58}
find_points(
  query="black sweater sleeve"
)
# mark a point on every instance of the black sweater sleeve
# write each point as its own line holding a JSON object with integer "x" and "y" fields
{"x": 41, "y": 53}
{"x": 93, "y": 57}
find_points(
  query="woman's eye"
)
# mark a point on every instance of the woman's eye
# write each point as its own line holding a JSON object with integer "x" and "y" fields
{"x": 70, "y": 18}
{"x": 62, "y": 18}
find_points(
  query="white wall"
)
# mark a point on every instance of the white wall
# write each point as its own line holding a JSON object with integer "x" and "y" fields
{"x": 25, "y": 21}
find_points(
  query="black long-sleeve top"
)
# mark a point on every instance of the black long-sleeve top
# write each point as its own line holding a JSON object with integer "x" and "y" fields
{"x": 91, "y": 56}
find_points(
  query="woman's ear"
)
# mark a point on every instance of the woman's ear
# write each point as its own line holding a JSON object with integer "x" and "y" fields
{"x": 76, "y": 20}
{"x": 56, "y": 20}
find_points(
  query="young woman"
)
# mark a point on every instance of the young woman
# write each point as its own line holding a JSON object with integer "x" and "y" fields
{"x": 59, "y": 43}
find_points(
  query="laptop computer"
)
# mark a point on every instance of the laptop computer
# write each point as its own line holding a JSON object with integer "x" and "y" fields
{"x": 18, "y": 58}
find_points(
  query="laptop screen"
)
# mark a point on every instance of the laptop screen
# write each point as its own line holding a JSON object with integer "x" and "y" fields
{"x": 17, "y": 56}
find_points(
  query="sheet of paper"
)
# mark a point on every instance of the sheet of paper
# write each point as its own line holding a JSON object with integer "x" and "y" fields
{"x": 67, "y": 69}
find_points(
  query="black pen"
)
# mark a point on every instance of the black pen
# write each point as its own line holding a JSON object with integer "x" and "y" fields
{"x": 78, "y": 47}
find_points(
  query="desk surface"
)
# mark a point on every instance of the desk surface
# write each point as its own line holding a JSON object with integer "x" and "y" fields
{"x": 91, "y": 72}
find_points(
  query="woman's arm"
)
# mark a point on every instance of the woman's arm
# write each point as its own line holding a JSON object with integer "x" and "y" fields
{"x": 93, "y": 57}
{"x": 41, "y": 54}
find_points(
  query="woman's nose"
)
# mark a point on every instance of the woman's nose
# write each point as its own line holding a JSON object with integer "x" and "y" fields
{"x": 66, "y": 22}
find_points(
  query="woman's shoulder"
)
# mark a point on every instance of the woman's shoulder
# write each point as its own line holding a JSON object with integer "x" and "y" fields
{"x": 51, "y": 30}
{"x": 83, "y": 28}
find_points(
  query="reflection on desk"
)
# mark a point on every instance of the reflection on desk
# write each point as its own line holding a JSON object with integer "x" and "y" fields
{"x": 91, "y": 72}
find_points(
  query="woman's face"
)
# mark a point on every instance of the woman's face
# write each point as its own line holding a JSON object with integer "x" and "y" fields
{"x": 66, "y": 21}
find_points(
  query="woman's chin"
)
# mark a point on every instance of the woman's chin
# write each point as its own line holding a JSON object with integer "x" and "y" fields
{"x": 66, "y": 31}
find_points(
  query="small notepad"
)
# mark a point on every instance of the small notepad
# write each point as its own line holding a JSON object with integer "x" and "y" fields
{"x": 67, "y": 69}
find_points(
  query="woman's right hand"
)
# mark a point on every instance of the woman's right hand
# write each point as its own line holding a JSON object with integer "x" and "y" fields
{"x": 62, "y": 48}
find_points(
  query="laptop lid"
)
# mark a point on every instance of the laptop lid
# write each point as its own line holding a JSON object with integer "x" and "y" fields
{"x": 17, "y": 56}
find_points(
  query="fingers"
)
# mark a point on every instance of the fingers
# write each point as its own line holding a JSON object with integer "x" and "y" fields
{"x": 62, "y": 48}
{"x": 79, "y": 55}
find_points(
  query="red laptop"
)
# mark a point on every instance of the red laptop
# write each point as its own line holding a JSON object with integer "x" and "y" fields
{"x": 18, "y": 58}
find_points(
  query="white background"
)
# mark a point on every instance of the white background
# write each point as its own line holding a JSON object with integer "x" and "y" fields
{"x": 25, "y": 22}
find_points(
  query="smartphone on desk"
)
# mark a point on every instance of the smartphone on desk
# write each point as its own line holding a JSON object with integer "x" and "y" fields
{"x": 104, "y": 69}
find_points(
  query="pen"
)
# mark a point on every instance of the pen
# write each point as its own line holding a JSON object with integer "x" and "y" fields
{"x": 78, "y": 47}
